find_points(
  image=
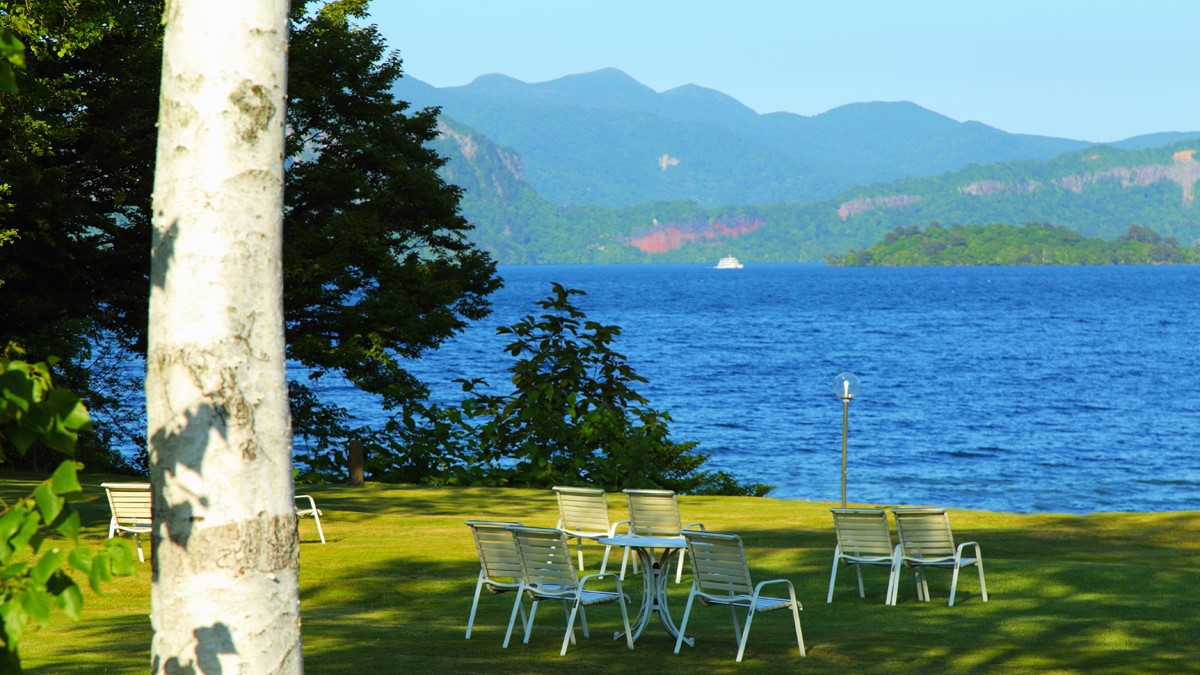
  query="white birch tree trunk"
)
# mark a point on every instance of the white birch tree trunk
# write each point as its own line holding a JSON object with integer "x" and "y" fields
{"x": 225, "y": 593}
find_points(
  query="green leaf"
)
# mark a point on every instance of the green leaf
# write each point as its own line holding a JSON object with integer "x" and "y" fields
{"x": 14, "y": 616}
{"x": 37, "y": 604}
{"x": 65, "y": 480}
{"x": 68, "y": 523}
{"x": 48, "y": 503}
{"x": 81, "y": 558}
{"x": 67, "y": 595}
{"x": 50, "y": 563}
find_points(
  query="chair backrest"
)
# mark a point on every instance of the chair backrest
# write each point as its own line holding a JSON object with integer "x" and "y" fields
{"x": 862, "y": 531}
{"x": 129, "y": 502}
{"x": 653, "y": 513}
{"x": 497, "y": 552}
{"x": 545, "y": 556}
{"x": 719, "y": 564}
{"x": 924, "y": 532}
{"x": 582, "y": 509}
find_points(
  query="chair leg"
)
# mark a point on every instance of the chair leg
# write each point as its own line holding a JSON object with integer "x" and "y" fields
{"x": 679, "y": 570}
{"x": 579, "y": 548}
{"x": 512, "y": 619}
{"x": 532, "y": 612}
{"x": 737, "y": 626}
{"x": 862, "y": 593}
{"x": 833, "y": 575}
{"x": 954, "y": 582}
{"x": 137, "y": 541}
{"x": 625, "y": 618}
{"x": 745, "y": 634}
{"x": 475, "y": 603}
{"x": 320, "y": 532}
{"x": 982, "y": 583}
{"x": 625, "y": 561}
{"x": 687, "y": 612}
{"x": 570, "y": 636}
{"x": 604, "y": 560}
{"x": 796, "y": 620}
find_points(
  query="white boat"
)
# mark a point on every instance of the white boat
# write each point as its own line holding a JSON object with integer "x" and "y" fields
{"x": 729, "y": 263}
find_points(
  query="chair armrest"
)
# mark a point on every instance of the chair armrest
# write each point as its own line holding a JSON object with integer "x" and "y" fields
{"x": 762, "y": 584}
{"x": 959, "y": 552}
{"x": 612, "y": 530}
{"x": 699, "y": 526}
{"x": 600, "y": 575}
{"x": 312, "y": 504}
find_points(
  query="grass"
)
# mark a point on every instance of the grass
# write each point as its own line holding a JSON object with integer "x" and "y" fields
{"x": 391, "y": 590}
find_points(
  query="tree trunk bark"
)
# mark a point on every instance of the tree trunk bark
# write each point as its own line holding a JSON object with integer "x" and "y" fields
{"x": 225, "y": 590}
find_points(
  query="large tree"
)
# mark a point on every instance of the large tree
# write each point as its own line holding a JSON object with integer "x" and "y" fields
{"x": 377, "y": 264}
{"x": 225, "y": 595}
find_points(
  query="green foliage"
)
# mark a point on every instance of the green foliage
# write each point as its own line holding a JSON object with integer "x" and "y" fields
{"x": 12, "y": 53}
{"x": 1033, "y": 244}
{"x": 33, "y": 577}
{"x": 377, "y": 265}
{"x": 573, "y": 417}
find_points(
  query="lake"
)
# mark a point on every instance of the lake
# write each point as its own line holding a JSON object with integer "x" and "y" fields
{"x": 1022, "y": 389}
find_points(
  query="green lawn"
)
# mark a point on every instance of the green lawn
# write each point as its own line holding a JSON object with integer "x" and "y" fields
{"x": 391, "y": 590}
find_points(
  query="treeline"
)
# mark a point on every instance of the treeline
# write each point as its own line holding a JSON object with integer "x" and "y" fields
{"x": 1031, "y": 244}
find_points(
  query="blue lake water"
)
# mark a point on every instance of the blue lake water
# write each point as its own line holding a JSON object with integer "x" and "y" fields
{"x": 1023, "y": 389}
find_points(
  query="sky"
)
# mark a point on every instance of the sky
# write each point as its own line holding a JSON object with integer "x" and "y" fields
{"x": 1093, "y": 70}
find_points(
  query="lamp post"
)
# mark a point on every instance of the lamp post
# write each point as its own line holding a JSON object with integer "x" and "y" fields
{"x": 845, "y": 386}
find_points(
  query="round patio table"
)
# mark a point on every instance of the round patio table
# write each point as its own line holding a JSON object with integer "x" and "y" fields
{"x": 655, "y": 574}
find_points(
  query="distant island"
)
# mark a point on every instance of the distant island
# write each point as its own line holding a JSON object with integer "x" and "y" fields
{"x": 1031, "y": 244}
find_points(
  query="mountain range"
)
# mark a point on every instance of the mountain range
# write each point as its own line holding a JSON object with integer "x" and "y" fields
{"x": 600, "y": 168}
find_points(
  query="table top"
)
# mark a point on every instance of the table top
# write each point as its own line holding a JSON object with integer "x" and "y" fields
{"x": 643, "y": 542}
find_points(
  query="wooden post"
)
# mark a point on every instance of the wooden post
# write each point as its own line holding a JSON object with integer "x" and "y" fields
{"x": 356, "y": 462}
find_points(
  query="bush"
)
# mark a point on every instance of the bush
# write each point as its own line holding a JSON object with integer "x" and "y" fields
{"x": 572, "y": 418}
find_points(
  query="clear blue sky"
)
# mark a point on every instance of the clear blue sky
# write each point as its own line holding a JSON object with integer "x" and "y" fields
{"x": 1096, "y": 70}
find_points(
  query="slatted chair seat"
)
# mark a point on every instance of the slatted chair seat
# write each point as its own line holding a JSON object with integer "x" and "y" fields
{"x": 131, "y": 512}
{"x": 926, "y": 540}
{"x": 655, "y": 513}
{"x": 547, "y": 574}
{"x": 863, "y": 539}
{"x": 721, "y": 576}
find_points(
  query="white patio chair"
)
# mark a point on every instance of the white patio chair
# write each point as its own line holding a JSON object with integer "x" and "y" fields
{"x": 311, "y": 510}
{"x": 547, "y": 574}
{"x": 863, "y": 538}
{"x": 655, "y": 513}
{"x": 926, "y": 541}
{"x": 721, "y": 576}
{"x": 130, "y": 507}
{"x": 583, "y": 514}
{"x": 499, "y": 564}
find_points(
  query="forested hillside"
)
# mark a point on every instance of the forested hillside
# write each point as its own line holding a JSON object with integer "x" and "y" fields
{"x": 603, "y": 138}
{"x": 1031, "y": 244}
{"x": 1098, "y": 192}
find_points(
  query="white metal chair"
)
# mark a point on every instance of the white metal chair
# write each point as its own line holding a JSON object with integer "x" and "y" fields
{"x": 547, "y": 574}
{"x": 721, "y": 576}
{"x": 130, "y": 507}
{"x": 499, "y": 563}
{"x": 863, "y": 538}
{"x": 310, "y": 510}
{"x": 926, "y": 541}
{"x": 583, "y": 514}
{"x": 655, "y": 513}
